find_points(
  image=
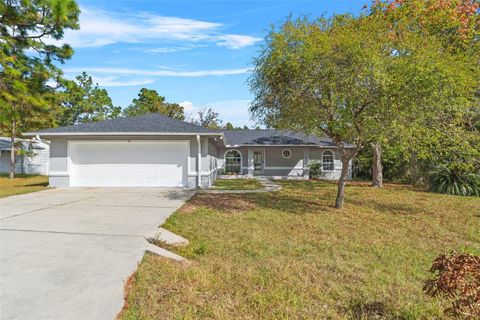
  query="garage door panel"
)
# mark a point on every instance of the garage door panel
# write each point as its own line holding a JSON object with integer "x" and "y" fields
{"x": 128, "y": 164}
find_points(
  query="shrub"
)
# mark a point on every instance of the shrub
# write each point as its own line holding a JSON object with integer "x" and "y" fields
{"x": 457, "y": 278}
{"x": 456, "y": 182}
{"x": 315, "y": 169}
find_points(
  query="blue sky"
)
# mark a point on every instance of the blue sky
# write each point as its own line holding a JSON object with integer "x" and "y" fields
{"x": 196, "y": 53}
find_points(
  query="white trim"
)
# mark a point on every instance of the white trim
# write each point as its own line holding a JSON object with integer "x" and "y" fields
{"x": 199, "y": 162}
{"x": 47, "y": 134}
{"x": 241, "y": 158}
{"x": 123, "y": 140}
{"x": 288, "y": 177}
{"x": 188, "y": 157}
{"x": 58, "y": 174}
{"x": 333, "y": 154}
{"x": 286, "y": 149}
{"x": 264, "y": 155}
{"x": 202, "y": 173}
{"x": 286, "y": 145}
{"x": 283, "y": 168}
{"x": 246, "y": 176}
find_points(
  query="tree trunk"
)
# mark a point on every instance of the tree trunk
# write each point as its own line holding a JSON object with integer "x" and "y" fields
{"x": 377, "y": 168}
{"x": 342, "y": 182}
{"x": 12, "y": 151}
{"x": 413, "y": 168}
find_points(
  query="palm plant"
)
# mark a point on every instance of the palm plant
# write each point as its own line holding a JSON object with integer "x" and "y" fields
{"x": 449, "y": 181}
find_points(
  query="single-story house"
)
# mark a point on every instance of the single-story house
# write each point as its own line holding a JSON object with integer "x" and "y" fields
{"x": 32, "y": 156}
{"x": 153, "y": 150}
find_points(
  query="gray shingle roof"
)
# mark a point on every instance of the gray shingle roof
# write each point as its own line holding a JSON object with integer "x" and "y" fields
{"x": 273, "y": 137}
{"x": 152, "y": 122}
{"x": 158, "y": 123}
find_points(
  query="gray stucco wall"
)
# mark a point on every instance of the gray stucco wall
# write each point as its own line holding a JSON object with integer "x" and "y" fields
{"x": 212, "y": 163}
{"x": 58, "y": 158}
{"x": 58, "y": 176}
{"x": 316, "y": 155}
{"x": 296, "y": 166}
{"x": 209, "y": 163}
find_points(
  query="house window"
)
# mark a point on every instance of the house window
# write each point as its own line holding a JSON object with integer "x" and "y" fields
{"x": 233, "y": 161}
{"x": 328, "y": 161}
{"x": 286, "y": 153}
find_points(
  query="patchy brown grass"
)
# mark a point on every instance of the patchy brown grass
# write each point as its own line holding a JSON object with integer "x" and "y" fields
{"x": 22, "y": 184}
{"x": 290, "y": 255}
{"x": 226, "y": 203}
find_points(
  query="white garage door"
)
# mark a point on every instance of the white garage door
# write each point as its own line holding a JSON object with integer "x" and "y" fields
{"x": 128, "y": 163}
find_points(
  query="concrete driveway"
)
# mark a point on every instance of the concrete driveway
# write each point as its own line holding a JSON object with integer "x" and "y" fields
{"x": 66, "y": 253}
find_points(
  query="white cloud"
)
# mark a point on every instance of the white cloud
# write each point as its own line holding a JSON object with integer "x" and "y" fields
{"x": 99, "y": 28}
{"x": 234, "y": 41}
{"x": 167, "y": 49}
{"x": 159, "y": 73}
{"x": 160, "y": 50}
{"x": 187, "y": 105}
{"x": 115, "y": 82}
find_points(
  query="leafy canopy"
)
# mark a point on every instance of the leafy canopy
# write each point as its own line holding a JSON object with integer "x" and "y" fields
{"x": 209, "y": 118}
{"x": 149, "y": 101}
{"x": 446, "y": 130}
{"x": 29, "y": 31}
{"x": 83, "y": 101}
{"x": 354, "y": 78}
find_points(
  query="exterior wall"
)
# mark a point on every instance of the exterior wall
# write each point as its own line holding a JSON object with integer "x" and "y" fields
{"x": 277, "y": 165}
{"x": 209, "y": 163}
{"x": 59, "y": 176}
{"x": 221, "y": 158}
{"x": 295, "y": 167}
{"x": 36, "y": 163}
{"x": 316, "y": 156}
{"x": 212, "y": 163}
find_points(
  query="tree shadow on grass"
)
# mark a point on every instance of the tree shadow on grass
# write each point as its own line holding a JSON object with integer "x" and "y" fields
{"x": 40, "y": 184}
{"x": 291, "y": 203}
{"x": 240, "y": 203}
{"x": 388, "y": 207}
{"x": 226, "y": 203}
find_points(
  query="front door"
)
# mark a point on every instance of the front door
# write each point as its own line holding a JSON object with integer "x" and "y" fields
{"x": 257, "y": 162}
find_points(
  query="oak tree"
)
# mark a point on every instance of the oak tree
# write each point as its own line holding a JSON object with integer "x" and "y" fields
{"x": 149, "y": 101}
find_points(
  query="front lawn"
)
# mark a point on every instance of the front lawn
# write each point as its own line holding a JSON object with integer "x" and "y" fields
{"x": 237, "y": 184}
{"x": 21, "y": 184}
{"x": 290, "y": 255}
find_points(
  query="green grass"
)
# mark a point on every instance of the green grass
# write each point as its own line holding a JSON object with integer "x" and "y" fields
{"x": 237, "y": 184}
{"x": 290, "y": 255}
{"x": 21, "y": 184}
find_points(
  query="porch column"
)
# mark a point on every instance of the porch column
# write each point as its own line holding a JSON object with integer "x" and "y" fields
{"x": 199, "y": 162}
{"x": 250, "y": 163}
{"x": 306, "y": 160}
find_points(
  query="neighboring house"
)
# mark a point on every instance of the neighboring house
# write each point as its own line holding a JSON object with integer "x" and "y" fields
{"x": 32, "y": 156}
{"x": 153, "y": 150}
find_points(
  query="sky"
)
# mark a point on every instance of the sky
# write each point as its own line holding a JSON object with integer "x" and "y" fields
{"x": 195, "y": 53}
